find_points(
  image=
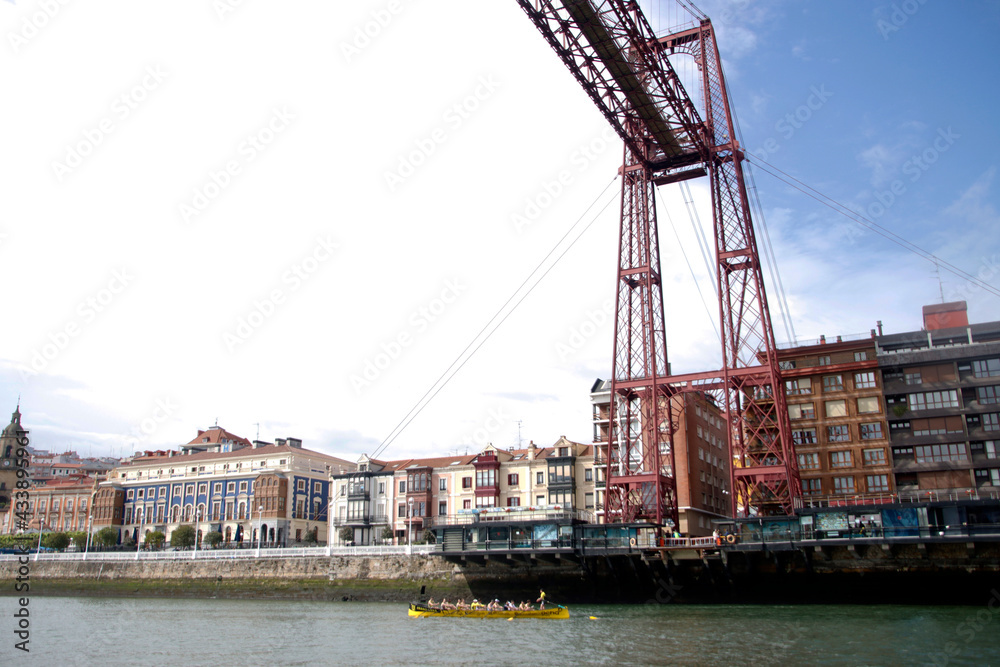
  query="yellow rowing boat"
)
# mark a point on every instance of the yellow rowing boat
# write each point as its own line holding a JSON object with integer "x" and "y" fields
{"x": 420, "y": 610}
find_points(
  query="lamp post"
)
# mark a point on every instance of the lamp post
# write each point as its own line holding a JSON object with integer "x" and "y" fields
{"x": 138, "y": 533}
{"x": 260, "y": 512}
{"x": 409, "y": 529}
{"x": 41, "y": 525}
{"x": 197, "y": 517}
{"x": 90, "y": 523}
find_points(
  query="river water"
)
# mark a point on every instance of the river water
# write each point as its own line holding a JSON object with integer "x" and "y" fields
{"x": 110, "y": 631}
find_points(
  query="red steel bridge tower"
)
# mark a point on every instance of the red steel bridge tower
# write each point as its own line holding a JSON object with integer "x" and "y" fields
{"x": 610, "y": 48}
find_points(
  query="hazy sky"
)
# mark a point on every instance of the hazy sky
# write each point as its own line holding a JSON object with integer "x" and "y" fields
{"x": 298, "y": 215}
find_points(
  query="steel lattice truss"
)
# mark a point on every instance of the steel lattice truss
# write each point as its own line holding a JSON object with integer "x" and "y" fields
{"x": 624, "y": 68}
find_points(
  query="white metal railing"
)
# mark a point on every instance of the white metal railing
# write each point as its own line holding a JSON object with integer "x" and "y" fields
{"x": 229, "y": 554}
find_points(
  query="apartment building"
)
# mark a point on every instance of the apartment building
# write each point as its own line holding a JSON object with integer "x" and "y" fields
{"x": 701, "y": 458}
{"x": 942, "y": 392}
{"x": 833, "y": 390}
{"x": 411, "y": 496}
{"x": 275, "y": 493}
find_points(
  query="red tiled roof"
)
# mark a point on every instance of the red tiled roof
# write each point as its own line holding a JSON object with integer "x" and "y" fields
{"x": 246, "y": 452}
{"x": 215, "y": 435}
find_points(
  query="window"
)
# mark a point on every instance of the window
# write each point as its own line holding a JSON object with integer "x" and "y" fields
{"x": 812, "y": 487}
{"x": 539, "y": 500}
{"x": 913, "y": 378}
{"x": 141, "y": 493}
{"x": 798, "y": 387}
{"x": 841, "y": 459}
{"x": 786, "y": 365}
{"x": 871, "y": 431}
{"x": 442, "y": 484}
{"x": 986, "y": 368}
{"x": 877, "y": 483}
{"x": 381, "y": 488}
{"x": 874, "y": 457}
{"x": 833, "y": 383}
{"x": 988, "y": 395}
{"x": 588, "y": 501}
{"x": 539, "y": 478}
{"x": 801, "y": 411}
{"x": 861, "y": 356}
{"x": 466, "y": 482}
{"x": 317, "y": 487}
{"x": 231, "y": 487}
{"x": 514, "y": 502}
{"x": 840, "y": 433}
{"x": 938, "y": 453}
{"x": 402, "y": 484}
{"x": 588, "y": 475}
{"x": 202, "y": 489}
{"x": 843, "y": 485}
{"x": 823, "y": 361}
{"x": 401, "y": 512}
{"x": 864, "y": 380}
{"x": 809, "y": 461}
{"x": 835, "y": 408}
{"x": 243, "y": 487}
{"x": 300, "y": 485}
{"x": 990, "y": 447}
{"x": 991, "y": 422}
{"x": 512, "y": 479}
{"x": 805, "y": 436}
{"x": 933, "y": 400}
{"x": 442, "y": 508}
{"x": 486, "y": 478}
{"x": 69, "y": 504}
{"x": 868, "y": 405}
{"x": 130, "y": 495}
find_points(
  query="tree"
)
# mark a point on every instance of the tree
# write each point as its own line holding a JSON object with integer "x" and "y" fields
{"x": 155, "y": 539}
{"x": 428, "y": 537}
{"x": 312, "y": 536}
{"x": 182, "y": 536}
{"x": 346, "y": 534}
{"x": 107, "y": 536}
{"x": 79, "y": 538}
{"x": 387, "y": 534}
{"x": 212, "y": 539}
{"x": 58, "y": 541}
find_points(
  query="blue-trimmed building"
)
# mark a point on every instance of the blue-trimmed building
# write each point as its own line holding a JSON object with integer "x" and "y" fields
{"x": 279, "y": 491}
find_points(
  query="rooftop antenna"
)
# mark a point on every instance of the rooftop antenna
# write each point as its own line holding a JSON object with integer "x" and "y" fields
{"x": 519, "y": 434}
{"x": 258, "y": 430}
{"x": 937, "y": 272}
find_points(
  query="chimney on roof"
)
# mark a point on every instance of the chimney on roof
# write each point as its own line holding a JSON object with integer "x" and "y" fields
{"x": 294, "y": 442}
{"x": 531, "y": 450}
{"x": 279, "y": 442}
{"x": 946, "y": 316}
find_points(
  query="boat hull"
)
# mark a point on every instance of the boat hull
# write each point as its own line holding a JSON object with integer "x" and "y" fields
{"x": 419, "y": 610}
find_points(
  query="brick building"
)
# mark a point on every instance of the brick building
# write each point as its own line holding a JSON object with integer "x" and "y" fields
{"x": 834, "y": 394}
{"x": 701, "y": 458}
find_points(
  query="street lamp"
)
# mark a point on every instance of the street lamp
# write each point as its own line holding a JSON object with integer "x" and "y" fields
{"x": 138, "y": 533}
{"x": 86, "y": 548}
{"x": 197, "y": 516}
{"x": 260, "y": 512}
{"x": 409, "y": 530}
{"x": 41, "y": 525}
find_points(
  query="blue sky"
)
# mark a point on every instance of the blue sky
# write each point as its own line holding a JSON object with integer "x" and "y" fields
{"x": 297, "y": 221}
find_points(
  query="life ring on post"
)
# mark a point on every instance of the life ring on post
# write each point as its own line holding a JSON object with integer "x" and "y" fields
{"x": 730, "y": 539}
{"x": 632, "y": 542}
